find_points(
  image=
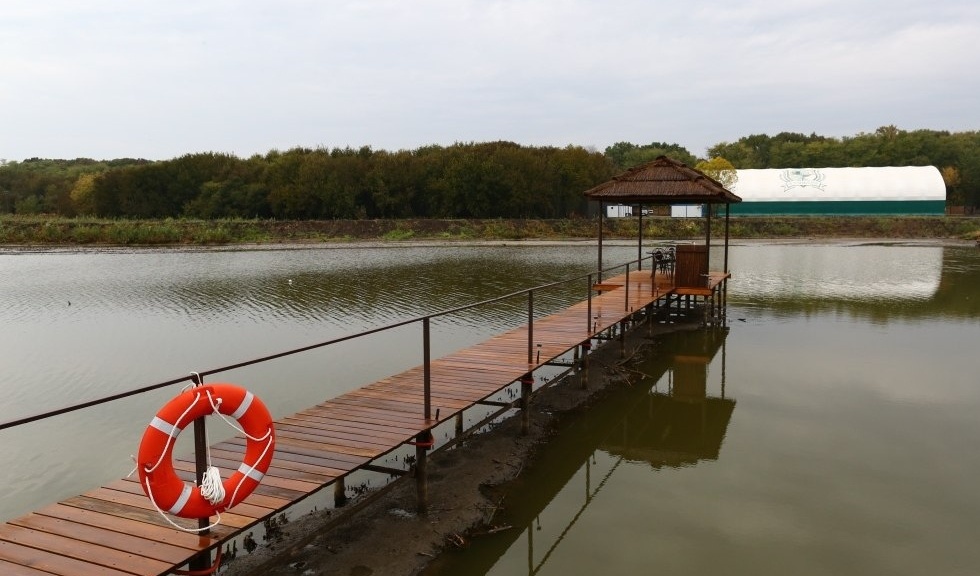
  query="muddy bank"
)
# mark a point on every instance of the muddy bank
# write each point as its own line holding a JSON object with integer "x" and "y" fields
{"x": 380, "y": 534}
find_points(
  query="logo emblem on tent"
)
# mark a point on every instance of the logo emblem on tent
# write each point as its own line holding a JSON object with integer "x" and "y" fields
{"x": 802, "y": 178}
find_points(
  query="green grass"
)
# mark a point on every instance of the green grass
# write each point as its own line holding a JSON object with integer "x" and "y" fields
{"x": 87, "y": 231}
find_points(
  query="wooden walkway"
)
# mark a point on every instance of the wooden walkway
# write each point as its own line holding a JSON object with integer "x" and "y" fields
{"x": 114, "y": 530}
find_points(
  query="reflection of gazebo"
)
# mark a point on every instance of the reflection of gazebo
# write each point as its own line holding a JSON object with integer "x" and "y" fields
{"x": 666, "y": 181}
{"x": 686, "y": 424}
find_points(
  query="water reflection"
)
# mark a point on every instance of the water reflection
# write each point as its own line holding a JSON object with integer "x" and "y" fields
{"x": 682, "y": 425}
{"x": 676, "y": 416}
{"x": 881, "y": 281}
{"x": 865, "y": 272}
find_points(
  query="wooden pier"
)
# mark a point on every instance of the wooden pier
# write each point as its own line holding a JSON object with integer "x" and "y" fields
{"x": 114, "y": 529}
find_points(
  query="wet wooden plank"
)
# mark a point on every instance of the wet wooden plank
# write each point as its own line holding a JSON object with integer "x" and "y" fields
{"x": 290, "y": 484}
{"x": 103, "y": 537}
{"x": 372, "y": 414}
{"x": 380, "y": 434}
{"x": 137, "y": 501}
{"x": 51, "y": 563}
{"x": 106, "y": 558}
{"x": 356, "y": 420}
{"x": 353, "y": 439}
{"x": 8, "y": 569}
{"x": 335, "y": 448}
{"x": 143, "y": 515}
{"x": 228, "y": 466}
{"x": 162, "y": 534}
{"x": 133, "y": 486}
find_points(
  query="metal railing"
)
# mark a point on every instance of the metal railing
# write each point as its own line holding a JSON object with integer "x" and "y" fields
{"x": 424, "y": 321}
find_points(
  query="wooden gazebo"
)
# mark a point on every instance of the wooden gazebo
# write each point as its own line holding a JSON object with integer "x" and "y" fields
{"x": 664, "y": 181}
{"x": 668, "y": 182}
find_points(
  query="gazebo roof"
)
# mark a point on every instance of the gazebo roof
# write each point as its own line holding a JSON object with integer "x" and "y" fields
{"x": 662, "y": 181}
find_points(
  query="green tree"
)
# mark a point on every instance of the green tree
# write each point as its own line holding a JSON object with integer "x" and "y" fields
{"x": 625, "y": 155}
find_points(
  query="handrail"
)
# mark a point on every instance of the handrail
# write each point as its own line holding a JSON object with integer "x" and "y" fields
{"x": 424, "y": 319}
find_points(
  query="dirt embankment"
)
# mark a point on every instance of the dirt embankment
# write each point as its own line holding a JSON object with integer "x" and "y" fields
{"x": 379, "y": 534}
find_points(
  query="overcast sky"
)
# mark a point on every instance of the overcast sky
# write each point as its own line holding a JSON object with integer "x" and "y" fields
{"x": 158, "y": 79}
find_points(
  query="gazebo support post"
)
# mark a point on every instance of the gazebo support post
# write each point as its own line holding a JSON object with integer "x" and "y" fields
{"x": 602, "y": 213}
{"x": 727, "y": 213}
{"x": 639, "y": 243}
{"x": 707, "y": 236}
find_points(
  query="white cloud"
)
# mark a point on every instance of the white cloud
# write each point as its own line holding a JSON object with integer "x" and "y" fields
{"x": 108, "y": 79}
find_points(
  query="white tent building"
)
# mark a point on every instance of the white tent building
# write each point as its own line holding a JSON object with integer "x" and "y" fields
{"x": 821, "y": 191}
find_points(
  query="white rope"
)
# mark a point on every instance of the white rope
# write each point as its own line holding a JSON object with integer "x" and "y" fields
{"x": 216, "y": 404}
{"x": 267, "y": 437}
{"x": 211, "y": 487}
{"x": 149, "y": 492}
{"x": 251, "y": 467}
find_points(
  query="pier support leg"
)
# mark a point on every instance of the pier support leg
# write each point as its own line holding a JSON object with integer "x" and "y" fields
{"x": 622, "y": 339}
{"x": 586, "y": 346}
{"x": 527, "y": 382}
{"x": 459, "y": 425}
{"x": 421, "y": 475}
{"x": 340, "y": 493}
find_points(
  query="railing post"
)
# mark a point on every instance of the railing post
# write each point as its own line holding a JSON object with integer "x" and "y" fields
{"x": 426, "y": 368}
{"x": 201, "y": 561}
{"x": 588, "y": 314}
{"x": 626, "y": 298}
{"x": 530, "y": 326}
{"x": 421, "y": 449}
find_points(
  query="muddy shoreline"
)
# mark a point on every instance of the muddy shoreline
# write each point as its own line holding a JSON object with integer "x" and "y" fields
{"x": 379, "y": 533}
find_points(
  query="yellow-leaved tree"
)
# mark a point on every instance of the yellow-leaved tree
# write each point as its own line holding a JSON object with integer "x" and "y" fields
{"x": 81, "y": 194}
{"x": 719, "y": 169}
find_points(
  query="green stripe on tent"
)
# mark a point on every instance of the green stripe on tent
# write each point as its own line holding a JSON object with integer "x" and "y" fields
{"x": 847, "y": 207}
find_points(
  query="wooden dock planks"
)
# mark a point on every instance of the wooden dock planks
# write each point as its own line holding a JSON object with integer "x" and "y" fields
{"x": 114, "y": 530}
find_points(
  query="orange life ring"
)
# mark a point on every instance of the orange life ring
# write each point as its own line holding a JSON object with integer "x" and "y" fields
{"x": 155, "y": 458}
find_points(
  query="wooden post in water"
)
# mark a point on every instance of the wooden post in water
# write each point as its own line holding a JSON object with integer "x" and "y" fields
{"x": 421, "y": 474}
{"x": 585, "y": 363}
{"x": 622, "y": 338}
{"x": 340, "y": 492}
{"x": 527, "y": 382}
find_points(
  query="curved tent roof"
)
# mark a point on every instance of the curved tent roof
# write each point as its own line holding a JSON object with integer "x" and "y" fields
{"x": 891, "y": 183}
{"x": 662, "y": 181}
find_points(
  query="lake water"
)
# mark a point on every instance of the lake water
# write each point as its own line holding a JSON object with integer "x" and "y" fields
{"x": 831, "y": 430}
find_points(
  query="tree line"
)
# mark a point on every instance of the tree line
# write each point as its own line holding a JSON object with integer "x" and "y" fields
{"x": 464, "y": 180}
